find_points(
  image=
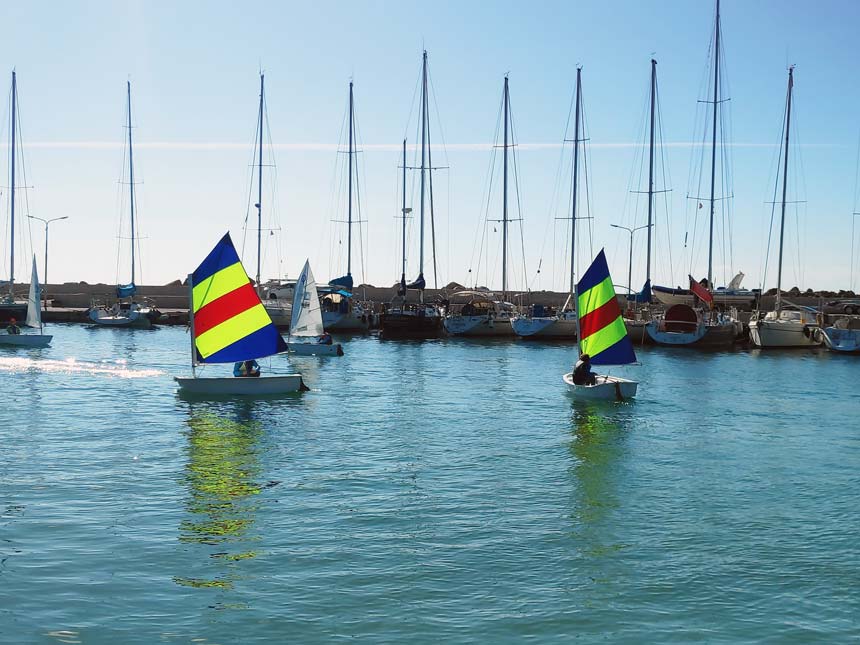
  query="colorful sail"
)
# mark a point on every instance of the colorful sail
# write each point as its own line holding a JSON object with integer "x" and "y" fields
{"x": 230, "y": 322}
{"x": 602, "y": 334}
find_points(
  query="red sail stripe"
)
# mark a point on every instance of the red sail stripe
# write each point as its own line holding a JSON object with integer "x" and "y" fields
{"x": 596, "y": 320}
{"x": 224, "y": 308}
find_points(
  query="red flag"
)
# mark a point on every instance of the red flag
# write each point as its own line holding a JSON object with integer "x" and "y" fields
{"x": 703, "y": 294}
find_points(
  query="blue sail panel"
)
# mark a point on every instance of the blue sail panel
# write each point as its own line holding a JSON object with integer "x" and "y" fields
{"x": 642, "y": 296}
{"x": 343, "y": 281}
{"x": 419, "y": 284}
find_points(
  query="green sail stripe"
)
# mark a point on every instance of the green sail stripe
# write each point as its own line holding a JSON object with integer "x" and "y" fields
{"x": 603, "y": 339}
{"x": 595, "y": 297}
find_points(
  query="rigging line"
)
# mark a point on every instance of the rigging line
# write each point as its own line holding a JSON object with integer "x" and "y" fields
{"x": 773, "y": 202}
{"x": 666, "y": 182}
{"x": 360, "y": 177}
{"x": 515, "y": 158}
{"x": 586, "y": 155}
{"x": 251, "y": 169}
{"x": 331, "y": 231}
{"x": 481, "y": 228}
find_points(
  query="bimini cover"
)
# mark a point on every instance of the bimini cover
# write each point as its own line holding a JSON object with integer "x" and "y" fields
{"x": 230, "y": 322}
{"x": 126, "y": 290}
{"x": 343, "y": 281}
{"x": 602, "y": 333}
{"x": 642, "y": 296}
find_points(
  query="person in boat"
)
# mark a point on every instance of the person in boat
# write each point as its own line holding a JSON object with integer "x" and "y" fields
{"x": 582, "y": 374}
{"x": 324, "y": 339}
{"x": 13, "y": 328}
{"x": 246, "y": 368}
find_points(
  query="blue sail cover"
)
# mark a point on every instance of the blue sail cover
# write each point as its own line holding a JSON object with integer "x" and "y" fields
{"x": 642, "y": 296}
{"x": 343, "y": 281}
{"x": 126, "y": 290}
{"x": 419, "y": 284}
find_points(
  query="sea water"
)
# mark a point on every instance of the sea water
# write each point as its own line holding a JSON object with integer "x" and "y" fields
{"x": 425, "y": 492}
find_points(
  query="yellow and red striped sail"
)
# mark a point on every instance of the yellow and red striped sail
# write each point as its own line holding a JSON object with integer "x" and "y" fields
{"x": 602, "y": 334}
{"x": 230, "y": 322}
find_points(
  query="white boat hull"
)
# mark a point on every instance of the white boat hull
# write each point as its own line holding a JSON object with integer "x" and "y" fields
{"x": 608, "y": 388}
{"x": 483, "y": 326}
{"x": 722, "y": 300}
{"x": 241, "y": 386}
{"x": 545, "y": 327}
{"x": 106, "y": 318}
{"x": 335, "y": 321}
{"x": 637, "y": 333}
{"x": 841, "y": 340}
{"x": 782, "y": 333}
{"x": 314, "y": 349}
{"x": 25, "y": 340}
{"x": 280, "y": 312}
{"x": 721, "y": 335}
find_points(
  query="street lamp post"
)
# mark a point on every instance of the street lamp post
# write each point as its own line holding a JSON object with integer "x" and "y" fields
{"x": 630, "y": 260}
{"x": 45, "y": 274}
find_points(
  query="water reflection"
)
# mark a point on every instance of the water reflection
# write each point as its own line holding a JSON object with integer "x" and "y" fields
{"x": 223, "y": 478}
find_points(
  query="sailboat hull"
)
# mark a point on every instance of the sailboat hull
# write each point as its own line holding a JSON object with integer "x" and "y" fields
{"x": 552, "y": 327}
{"x": 25, "y": 340}
{"x": 335, "y": 321}
{"x": 233, "y": 386}
{"x": 280, "y": 311}
{"x": 637, "y": 333}
{"x": 314, "y": 349}
{"x": 608, "y": 388}
{"x": 483, "y": 326}
{"x": 409, "y": 325}
{"x": 782, "y": 333}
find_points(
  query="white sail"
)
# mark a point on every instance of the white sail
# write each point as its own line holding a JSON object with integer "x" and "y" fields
{"x": 34, "y": 310}
{"x": 306, "y": 318}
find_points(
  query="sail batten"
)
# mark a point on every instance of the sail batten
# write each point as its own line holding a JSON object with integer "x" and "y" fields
{"x": 602, "y": 333}
{"x": 230, "y": 322}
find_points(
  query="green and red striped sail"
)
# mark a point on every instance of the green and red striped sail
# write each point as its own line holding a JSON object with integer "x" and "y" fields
{"x": 230, "y": 322}
{"x": 602, "y": 334}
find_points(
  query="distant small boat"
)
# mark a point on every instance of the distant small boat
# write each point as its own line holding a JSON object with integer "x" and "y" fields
{"x": 730, "y": 296}
{"x": 34, "y": 319}
{"x": 229, "y": 325}
{"x": 306, "y": 326}
{"x": 126, "y": 311}
{"x": 602, "y": 335}
{"x": 843, "y": 336}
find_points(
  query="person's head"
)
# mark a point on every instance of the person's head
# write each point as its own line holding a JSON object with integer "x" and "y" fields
{"x": 585, "y": 358}
{"x": 12, "y": 321}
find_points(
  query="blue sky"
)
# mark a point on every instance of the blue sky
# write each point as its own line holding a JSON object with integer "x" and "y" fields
{"x": 194, "y": 73}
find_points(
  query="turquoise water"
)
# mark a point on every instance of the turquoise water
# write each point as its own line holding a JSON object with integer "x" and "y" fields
{"x": 445, "y": 491}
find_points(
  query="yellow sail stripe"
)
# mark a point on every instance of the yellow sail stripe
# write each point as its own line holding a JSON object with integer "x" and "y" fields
{"x": 232, "y": 330}
{"x": 603, "y": 339}
{"x": 595, "y": 297}
{"x": 216, "y": 285}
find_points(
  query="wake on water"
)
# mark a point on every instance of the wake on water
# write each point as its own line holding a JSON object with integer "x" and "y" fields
{"x": 115, "y": 369}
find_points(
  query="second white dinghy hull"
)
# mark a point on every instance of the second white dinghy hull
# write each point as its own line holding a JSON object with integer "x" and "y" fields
{"x": 607, "y": 388}
{"x": 25, "y": 340}
{"x": 241, "y": 386}
{"x": 314, "y": 349}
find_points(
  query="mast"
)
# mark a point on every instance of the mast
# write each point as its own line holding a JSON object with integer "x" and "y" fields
{"x": 12, "y": 186}
{"x": 349, "y": 206}
{"x": 714, "y": 145}
{"x": 784, "y": 187}
{"x": 505, "y": 200}
{"x": 403, "y": 212}
{"x": 423, "y": 165}
{"x": 260, "y": 183}
{"x": 130, "y": 178}
{"x": 651, "y": 168}
{"x": 574, "y": 181}
{"x": 191, "y": 324}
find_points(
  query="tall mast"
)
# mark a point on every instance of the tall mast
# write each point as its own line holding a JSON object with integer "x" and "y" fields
{"x": 574, "y": 181}
{"x": 130, "y": 178}
{"x": 349, "y": 207}
{"x": 12, "y": 186}
{"x": 714, "y": 145}
{"x": 651, "y": 168}
{"x": 403, "y": 212}
{"x": 260, "y": 183}
{"x": 784, "y": 187}
{"x": 505, "y": 201}
{"x": 423, "y": 163}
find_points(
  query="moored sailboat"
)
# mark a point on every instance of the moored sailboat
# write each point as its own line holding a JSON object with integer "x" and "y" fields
{"x": 791, "y": 326}
{"x": 127, "y": 311}
{"x": 230, "y": 325}
{"x": 602, "y": 336}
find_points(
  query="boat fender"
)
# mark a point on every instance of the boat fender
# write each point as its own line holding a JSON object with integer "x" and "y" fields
{"x": 807, "y": 331}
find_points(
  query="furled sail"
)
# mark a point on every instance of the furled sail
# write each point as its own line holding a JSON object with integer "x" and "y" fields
{"x": 602, "y": 334}
{"x": 642, "y": 296}
{"x": 230, "y": 322}
{"x": 126, "y": 290}
{"x": 343, "y": 281}
{"x": 419, "y": 284}
{"x": 306, "y": 319}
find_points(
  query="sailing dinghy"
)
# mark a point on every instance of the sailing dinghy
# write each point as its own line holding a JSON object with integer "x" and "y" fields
{"x": 228, "y": 325}
{"x": 307, "y": 333}
{"x": 602, "y": 335}
{"x": 34, "y": 319}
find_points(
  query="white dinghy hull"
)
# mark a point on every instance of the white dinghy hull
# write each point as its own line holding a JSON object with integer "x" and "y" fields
{"x": 241, "y": 386}
{"x": 315, "y": 349}
{"x": 545, "y": 327}
{"x": 25, "y": 340}
{"x": 608, "y": 388}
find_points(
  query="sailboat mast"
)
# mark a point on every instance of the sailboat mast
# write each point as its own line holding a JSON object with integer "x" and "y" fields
{"x": 714, "y": 145}
{"x": 403, "y": 212}
{"x": 784, "y": 187}
{"x": 12, "y": 185}
{"x": 191, "y": 324}
{"x": 423, "y": 162}
{"x": 349, "y": 206}
{"x": 130, "y": 177}
{"x": 574, "y": 181}
{"x": 651, "y": 169}
{"x": 260, "y": 183}
{"x": 505, "y": 200}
